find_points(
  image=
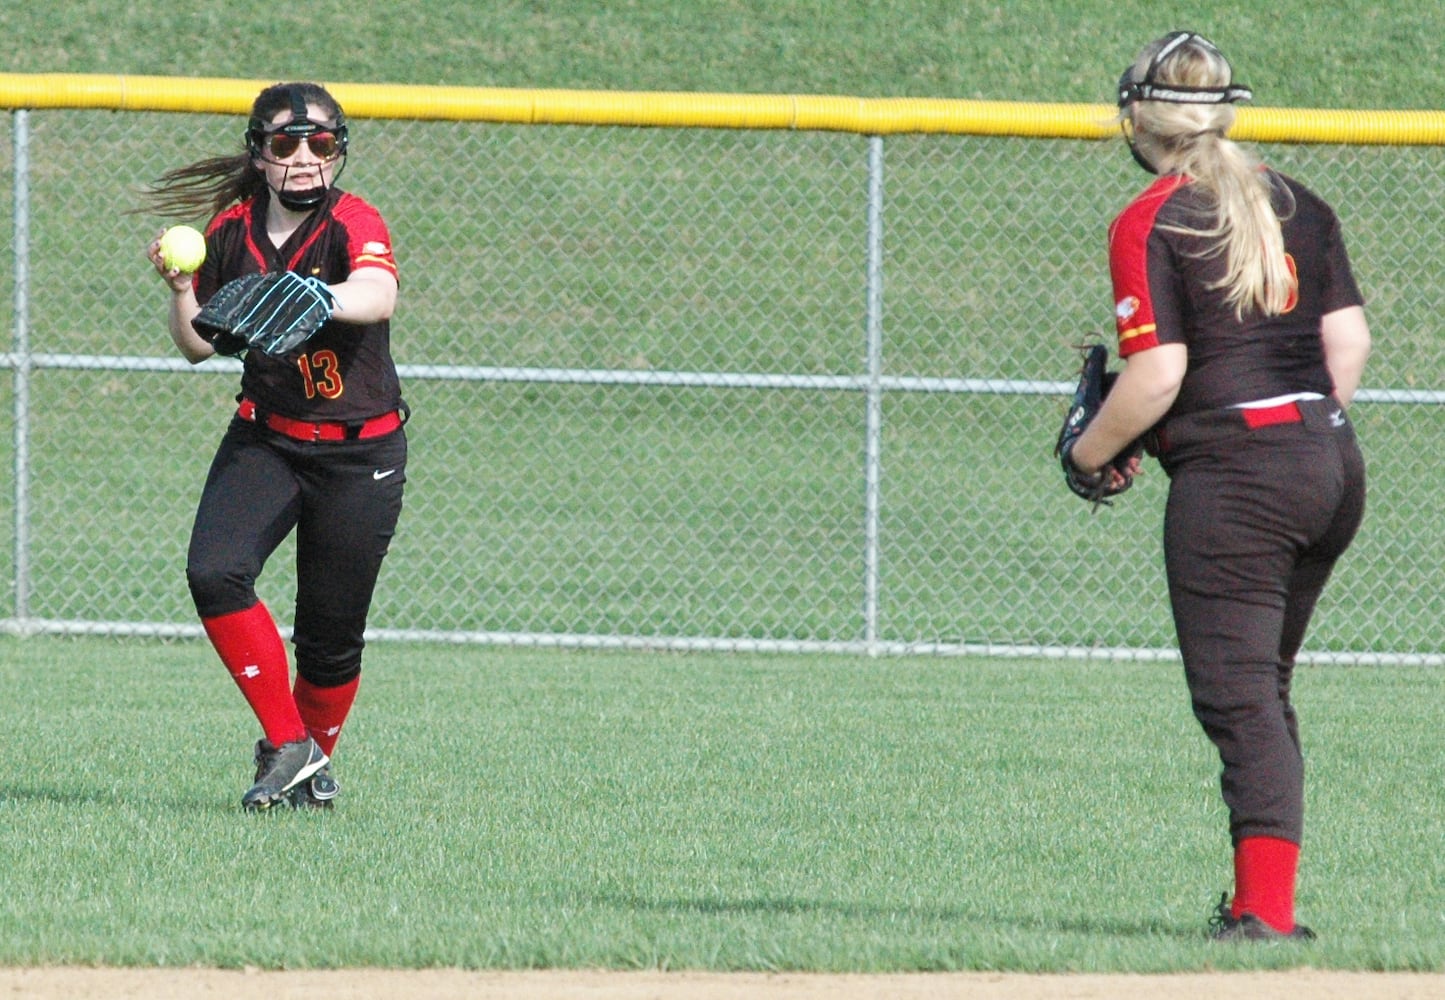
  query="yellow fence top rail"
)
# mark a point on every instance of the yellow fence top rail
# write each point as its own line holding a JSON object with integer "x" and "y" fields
{"x": 864, "y": 115}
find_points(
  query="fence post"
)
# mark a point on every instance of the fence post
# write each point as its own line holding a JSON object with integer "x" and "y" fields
{"x": 22, "y": 362}
{"x": 873, "y": 444}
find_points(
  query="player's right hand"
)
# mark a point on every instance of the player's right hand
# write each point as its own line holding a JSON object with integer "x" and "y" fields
{"x": 178, "y": 281}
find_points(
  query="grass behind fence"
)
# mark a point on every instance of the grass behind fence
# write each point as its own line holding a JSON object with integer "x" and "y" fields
{"x": 1348, "y": 54}
{"x": 773, "y": 549}
{"x": 511, "y": 808}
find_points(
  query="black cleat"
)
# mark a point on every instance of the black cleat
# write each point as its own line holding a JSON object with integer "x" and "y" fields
{"x": 281, "y": 769}
{"x": 1224, "y": 926}
{"x": 317, "y": 792}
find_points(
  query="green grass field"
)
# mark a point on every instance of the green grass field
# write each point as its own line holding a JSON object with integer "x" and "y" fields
{"x": 526, "y": 808}
{"x": 506, "y": 808}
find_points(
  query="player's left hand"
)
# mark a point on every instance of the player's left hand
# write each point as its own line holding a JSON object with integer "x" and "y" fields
{"x": 1116, "y": 475}
{"x": 275, "y": 313}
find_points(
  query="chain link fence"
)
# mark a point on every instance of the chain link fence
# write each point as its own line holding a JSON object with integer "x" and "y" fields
{"x": 688, "y": 388}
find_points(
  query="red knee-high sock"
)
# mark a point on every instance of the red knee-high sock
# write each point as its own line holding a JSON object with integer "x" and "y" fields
{"x": 324, "y": 709}
{"x": 1264, "y": 880}
{"x": 251, "y": 648}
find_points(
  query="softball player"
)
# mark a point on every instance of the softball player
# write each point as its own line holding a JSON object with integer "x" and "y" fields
{"x": 1244, "y": 339}
{"x": 316, "y": 443}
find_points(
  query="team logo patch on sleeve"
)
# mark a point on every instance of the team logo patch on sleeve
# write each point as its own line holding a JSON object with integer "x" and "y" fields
{"x": 375, "y": 248}
{"x": 1126, "y": 308}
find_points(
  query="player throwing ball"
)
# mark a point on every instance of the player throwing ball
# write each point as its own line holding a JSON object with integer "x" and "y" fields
{"x": 1244, "y": 339}
{"x": 316, "y": 444}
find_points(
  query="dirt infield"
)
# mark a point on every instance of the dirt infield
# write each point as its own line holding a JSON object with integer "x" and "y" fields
{"x": 446, "y": 984}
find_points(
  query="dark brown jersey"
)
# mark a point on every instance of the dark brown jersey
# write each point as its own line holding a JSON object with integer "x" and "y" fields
{"x": 1166, "y": 292}
{"x": 344, "y": 373}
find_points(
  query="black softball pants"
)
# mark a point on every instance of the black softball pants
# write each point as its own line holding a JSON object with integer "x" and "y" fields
{"x": 1253, "y": 527}
{"x": 343, "y": 500}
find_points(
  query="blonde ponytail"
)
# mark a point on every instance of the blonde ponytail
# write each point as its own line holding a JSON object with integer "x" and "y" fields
{"x": 1243, "y": 221}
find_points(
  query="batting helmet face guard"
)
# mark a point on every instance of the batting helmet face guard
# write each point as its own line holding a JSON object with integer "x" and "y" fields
{"x": 1150, "y": 88}
{"x": 270, "y": 142}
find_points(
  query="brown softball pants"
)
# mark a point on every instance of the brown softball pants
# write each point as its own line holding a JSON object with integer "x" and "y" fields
{"x": 1255, "y": 522}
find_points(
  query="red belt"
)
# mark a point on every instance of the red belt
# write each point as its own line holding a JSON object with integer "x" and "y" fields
{"x": 1265, "y": 416}
{"x": 303, "y": 430}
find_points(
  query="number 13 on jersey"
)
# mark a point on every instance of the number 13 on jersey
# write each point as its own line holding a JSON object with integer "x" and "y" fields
{"x": 321, "y": 374}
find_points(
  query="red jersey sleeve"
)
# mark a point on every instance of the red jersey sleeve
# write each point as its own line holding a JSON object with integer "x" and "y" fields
{"x": 1142, "y": 300}
{"x": 368, "y": 243}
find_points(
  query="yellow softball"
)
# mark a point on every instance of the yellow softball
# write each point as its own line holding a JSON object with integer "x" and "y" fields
{"x": 182, "y": 249}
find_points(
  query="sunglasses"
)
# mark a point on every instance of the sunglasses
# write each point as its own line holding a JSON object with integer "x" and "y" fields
{"x": 323, "y": 145}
